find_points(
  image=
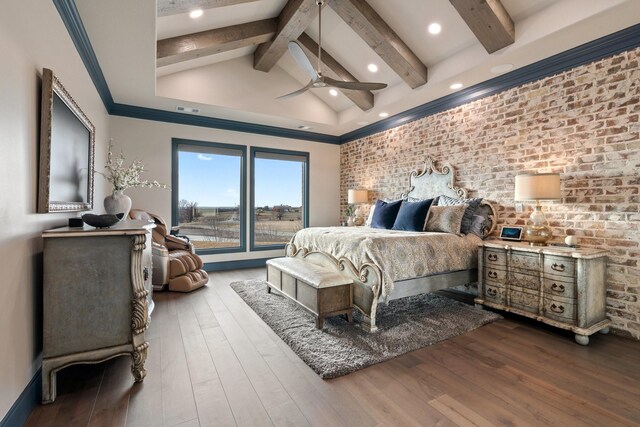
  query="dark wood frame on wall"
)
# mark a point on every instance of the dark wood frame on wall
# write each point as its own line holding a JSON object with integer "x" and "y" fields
{"x": 54, "y": 168}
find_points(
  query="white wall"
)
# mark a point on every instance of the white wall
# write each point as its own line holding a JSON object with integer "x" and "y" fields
{"x": 151, "y": 142}
{"x": 32, "y": 36}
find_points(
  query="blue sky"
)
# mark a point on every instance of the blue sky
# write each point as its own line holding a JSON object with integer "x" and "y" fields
{"x": 213, "y": 180}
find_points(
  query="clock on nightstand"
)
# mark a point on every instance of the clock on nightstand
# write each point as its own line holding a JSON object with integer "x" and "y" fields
{"x": 562, "y": 287}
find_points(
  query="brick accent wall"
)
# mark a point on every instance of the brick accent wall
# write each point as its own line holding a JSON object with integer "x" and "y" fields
{"x": 582, "y": 123}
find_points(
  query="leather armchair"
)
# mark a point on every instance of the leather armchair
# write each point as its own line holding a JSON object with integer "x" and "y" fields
{"x": 175, "y": 263}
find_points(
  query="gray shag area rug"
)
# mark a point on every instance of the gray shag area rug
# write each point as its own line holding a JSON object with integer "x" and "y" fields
{"x": 405, "y": 325}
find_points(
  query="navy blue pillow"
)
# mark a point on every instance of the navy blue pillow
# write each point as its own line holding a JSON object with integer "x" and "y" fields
{"x": 385, "y": 214}
{"x": 412, "y": 215}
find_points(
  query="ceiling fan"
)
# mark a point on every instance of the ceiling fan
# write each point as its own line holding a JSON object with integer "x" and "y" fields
{"x": 317, "y": 79}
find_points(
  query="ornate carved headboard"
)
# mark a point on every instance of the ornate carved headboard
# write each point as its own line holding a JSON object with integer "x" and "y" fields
{"x": 432, "y": 182}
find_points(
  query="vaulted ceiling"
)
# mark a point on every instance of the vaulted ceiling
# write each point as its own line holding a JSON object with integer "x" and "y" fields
{"x": 232, "y": 62}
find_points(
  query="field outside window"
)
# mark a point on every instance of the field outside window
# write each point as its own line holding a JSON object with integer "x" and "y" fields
{"x": 279, "y": 198}
{"x": 210, "y": 196}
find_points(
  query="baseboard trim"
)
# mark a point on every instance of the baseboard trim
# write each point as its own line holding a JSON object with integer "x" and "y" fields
{"x": 28, "y": 400}
{"x": 234, "y": 265}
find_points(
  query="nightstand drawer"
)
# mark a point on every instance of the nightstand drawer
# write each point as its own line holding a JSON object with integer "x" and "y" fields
{"x": 524, "y": 261}
{"x": 524, "y": 300}
{"x": 561, "y": 288}
{"x": 495, "y": 294}
{"x": 495, "y": 275}
{"x": 559, "y": 266}
{"x": 558, "y": 309}
{"x": 495, "y": 258}
{"x": 527, "y": 281}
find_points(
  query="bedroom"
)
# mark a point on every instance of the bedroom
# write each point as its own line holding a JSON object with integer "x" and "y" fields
{"x": 596, "y": 150}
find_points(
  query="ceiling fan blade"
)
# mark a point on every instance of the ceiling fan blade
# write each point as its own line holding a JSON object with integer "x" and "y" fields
{"x": 297, "y": 92}
{"x": 302, "y": 60}
{"x": 354, "y": 85}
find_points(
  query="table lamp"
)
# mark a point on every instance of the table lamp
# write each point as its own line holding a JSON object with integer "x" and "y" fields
{"x": 540, "y": 186}
{"x": 356, "y": 197}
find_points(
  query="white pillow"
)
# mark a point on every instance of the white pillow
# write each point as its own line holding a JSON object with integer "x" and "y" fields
{"x": 370, "y": 217}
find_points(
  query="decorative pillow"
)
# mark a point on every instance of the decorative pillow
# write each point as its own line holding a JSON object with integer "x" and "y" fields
{"x": 412, "y": 215}
{"x": 472, "y": 205}
{"x": 445, "y": 219}
{"x": 370, "y": 217}
{"x": 477, "y": 226}
{"x": 385, "y": 214}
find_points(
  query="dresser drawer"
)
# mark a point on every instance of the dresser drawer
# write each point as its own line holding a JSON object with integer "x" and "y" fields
{"x": 495, "y": 275}
{"x": 559, "y": 266}
{"x": 559, "y": 309}
{"x": 495, "y": 294}
{"x": 495, "y": 258}
{"x": 520, "y": 298}
{"x": 560, "y": 288}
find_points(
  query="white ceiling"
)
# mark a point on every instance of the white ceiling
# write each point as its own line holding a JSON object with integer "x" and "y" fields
{"x": 123, "y": 34}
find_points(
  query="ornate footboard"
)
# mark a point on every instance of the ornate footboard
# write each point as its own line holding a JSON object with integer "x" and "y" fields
{"x": 367, "y": 280}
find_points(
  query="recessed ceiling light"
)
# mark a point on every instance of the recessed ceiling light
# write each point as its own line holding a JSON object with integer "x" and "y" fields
{"x": 383, "y": 114}
{"x": 455, "y": 86}
{"x": 372, "y": 67}
{"x": 435, "y": 28}
{"x": 196, "y": 13}
{"x": 502, "y": 68}
{"x": 333, "y": 92}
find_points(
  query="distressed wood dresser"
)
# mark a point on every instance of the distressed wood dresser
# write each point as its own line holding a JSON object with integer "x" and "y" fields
{"x": 563, "y": 287}
{"x": 96, "y": 297}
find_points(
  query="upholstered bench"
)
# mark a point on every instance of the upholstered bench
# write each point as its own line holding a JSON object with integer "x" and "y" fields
{"x": 321, "y": 291}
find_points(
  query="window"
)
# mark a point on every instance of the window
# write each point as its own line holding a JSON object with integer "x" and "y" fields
{"x": 279, "y": 196}
{"x": 208, "y": 194}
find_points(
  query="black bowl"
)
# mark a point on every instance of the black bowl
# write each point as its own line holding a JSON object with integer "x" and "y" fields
{"x": 102, "y": 221}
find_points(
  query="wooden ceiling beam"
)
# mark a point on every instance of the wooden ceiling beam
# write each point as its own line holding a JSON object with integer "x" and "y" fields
{"x": 332, "y": 68}
{"x": 382, "y": 39}
{"x": 489, "y": 21}
{"x": 293, "y": 20}
{"x": 196, "y": 45}
{"x": 174, "y": 7}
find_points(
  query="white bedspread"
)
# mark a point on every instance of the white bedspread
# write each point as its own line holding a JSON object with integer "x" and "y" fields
{"x": 400, "y": 255}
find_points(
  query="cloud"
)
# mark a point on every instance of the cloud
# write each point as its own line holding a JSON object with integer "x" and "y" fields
{"x": 204, "y": 157}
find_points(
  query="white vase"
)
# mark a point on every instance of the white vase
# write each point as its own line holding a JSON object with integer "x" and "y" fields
{"x": 116, "y": 203}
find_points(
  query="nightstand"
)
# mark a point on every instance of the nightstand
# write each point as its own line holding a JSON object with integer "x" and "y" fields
{"x": 562, "y": 287}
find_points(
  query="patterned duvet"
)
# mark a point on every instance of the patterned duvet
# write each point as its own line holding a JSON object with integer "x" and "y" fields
{"x": 400, "y": 255}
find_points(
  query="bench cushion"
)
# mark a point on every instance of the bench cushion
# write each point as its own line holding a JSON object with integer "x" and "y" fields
{"x": 312, "y": 274}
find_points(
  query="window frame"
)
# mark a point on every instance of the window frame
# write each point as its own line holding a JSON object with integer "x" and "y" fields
{"x": 175, "y": 182}
{"x": 305, "y": 197}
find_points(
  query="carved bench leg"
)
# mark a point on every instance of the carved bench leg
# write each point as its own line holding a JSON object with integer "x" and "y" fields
{"x": 48, "y": 384}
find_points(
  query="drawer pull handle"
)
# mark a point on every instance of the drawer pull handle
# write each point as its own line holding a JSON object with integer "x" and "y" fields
{"x": 492, "y": 274}
{"x": 492, "y": 257}
{"x": 492, "y": 292}
{"x": 557, "y": 308}
{"x": 145, "y": 273}
{"x": 557, "y": 267}
{"x": 557, "y": 288}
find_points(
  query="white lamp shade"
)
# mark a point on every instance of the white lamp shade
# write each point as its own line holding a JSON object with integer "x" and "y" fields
{"x": 357, "y": 196}
{"x": 541, "y": 186}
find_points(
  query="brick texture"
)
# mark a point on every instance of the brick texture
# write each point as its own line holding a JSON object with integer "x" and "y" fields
{"x": 582, "y": 123}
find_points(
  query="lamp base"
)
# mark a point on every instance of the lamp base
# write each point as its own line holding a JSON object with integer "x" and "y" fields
{"x": 538, "y": 235}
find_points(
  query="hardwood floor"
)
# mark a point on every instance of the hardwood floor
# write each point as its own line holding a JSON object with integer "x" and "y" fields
{"x": 213, "y": 362}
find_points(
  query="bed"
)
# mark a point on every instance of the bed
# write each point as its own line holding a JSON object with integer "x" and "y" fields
{"x": 390, "y": 264}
